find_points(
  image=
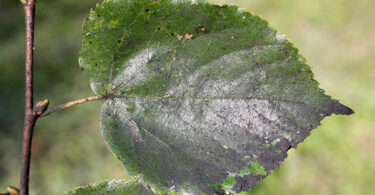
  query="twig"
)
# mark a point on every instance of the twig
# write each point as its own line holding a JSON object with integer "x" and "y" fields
{"x": 32, "y": 113}
{"x": 70, "y": 104}
{"x": 30, "y": 118}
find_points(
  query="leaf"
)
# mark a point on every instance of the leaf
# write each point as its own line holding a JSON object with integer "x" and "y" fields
{"x": 200, "y": 98}
{"x": 112, "y": 187}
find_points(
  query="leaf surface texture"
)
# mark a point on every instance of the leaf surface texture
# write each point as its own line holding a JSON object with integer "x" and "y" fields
{"x": 200, "y": 98}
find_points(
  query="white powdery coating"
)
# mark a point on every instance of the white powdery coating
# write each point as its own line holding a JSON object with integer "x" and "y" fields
{"x": 112, "y": 185}
{"x": 137, "y": 70}
{"x": 213, "y": 104}
{"x": 120, "y": 108}
{"x": 227, "y": 121}
{"x": 93, "y": 86}
{"x": 210, "y": 88}
{"x": 207, "y": 107}
{"x": 134, "y": 65}
{"x": 187, "y": 1}
{"x": 195, "y": 85}
{"x": 280, "y": 37}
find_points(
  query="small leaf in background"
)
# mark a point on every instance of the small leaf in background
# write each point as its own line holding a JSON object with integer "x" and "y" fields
{"x": 201, "y": 98}
{"x": 112, "y": 187}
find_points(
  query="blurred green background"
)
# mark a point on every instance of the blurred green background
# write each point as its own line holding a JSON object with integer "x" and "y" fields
{"x": 336, "y": 37}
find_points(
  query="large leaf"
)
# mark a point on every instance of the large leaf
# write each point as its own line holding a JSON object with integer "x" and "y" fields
{"x": 114, "y": 187}
{"x": 200, "y": 97}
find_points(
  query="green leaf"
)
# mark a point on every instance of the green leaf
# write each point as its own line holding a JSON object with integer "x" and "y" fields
{"x": 200, "y": 98}
{"x": 113, "y": 187}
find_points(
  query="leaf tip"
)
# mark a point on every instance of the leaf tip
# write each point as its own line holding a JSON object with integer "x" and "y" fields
{"x": 342, "y": 109}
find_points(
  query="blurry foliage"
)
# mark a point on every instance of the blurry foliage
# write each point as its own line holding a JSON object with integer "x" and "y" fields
{"x": 336, "y": 37}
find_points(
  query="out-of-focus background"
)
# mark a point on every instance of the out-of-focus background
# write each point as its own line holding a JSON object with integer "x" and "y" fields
{"x": 336, "y": 37}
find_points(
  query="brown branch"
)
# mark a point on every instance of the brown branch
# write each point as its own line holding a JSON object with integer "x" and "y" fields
{"x": 32, "y": 113}
{"x": 30, "y": 118}
{"x": 70, "y": 104}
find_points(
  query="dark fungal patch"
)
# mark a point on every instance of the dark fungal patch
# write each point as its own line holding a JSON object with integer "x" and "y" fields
{"x": 246, "y": 182}
{"x": 201, "y": 29}
{"x": 110, "y": 96}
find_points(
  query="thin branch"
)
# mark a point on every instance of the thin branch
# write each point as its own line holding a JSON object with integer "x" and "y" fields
{"x": 32, "y": 113}
{"x": 70, "y": 104}
{"x": 30, "y": 118}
